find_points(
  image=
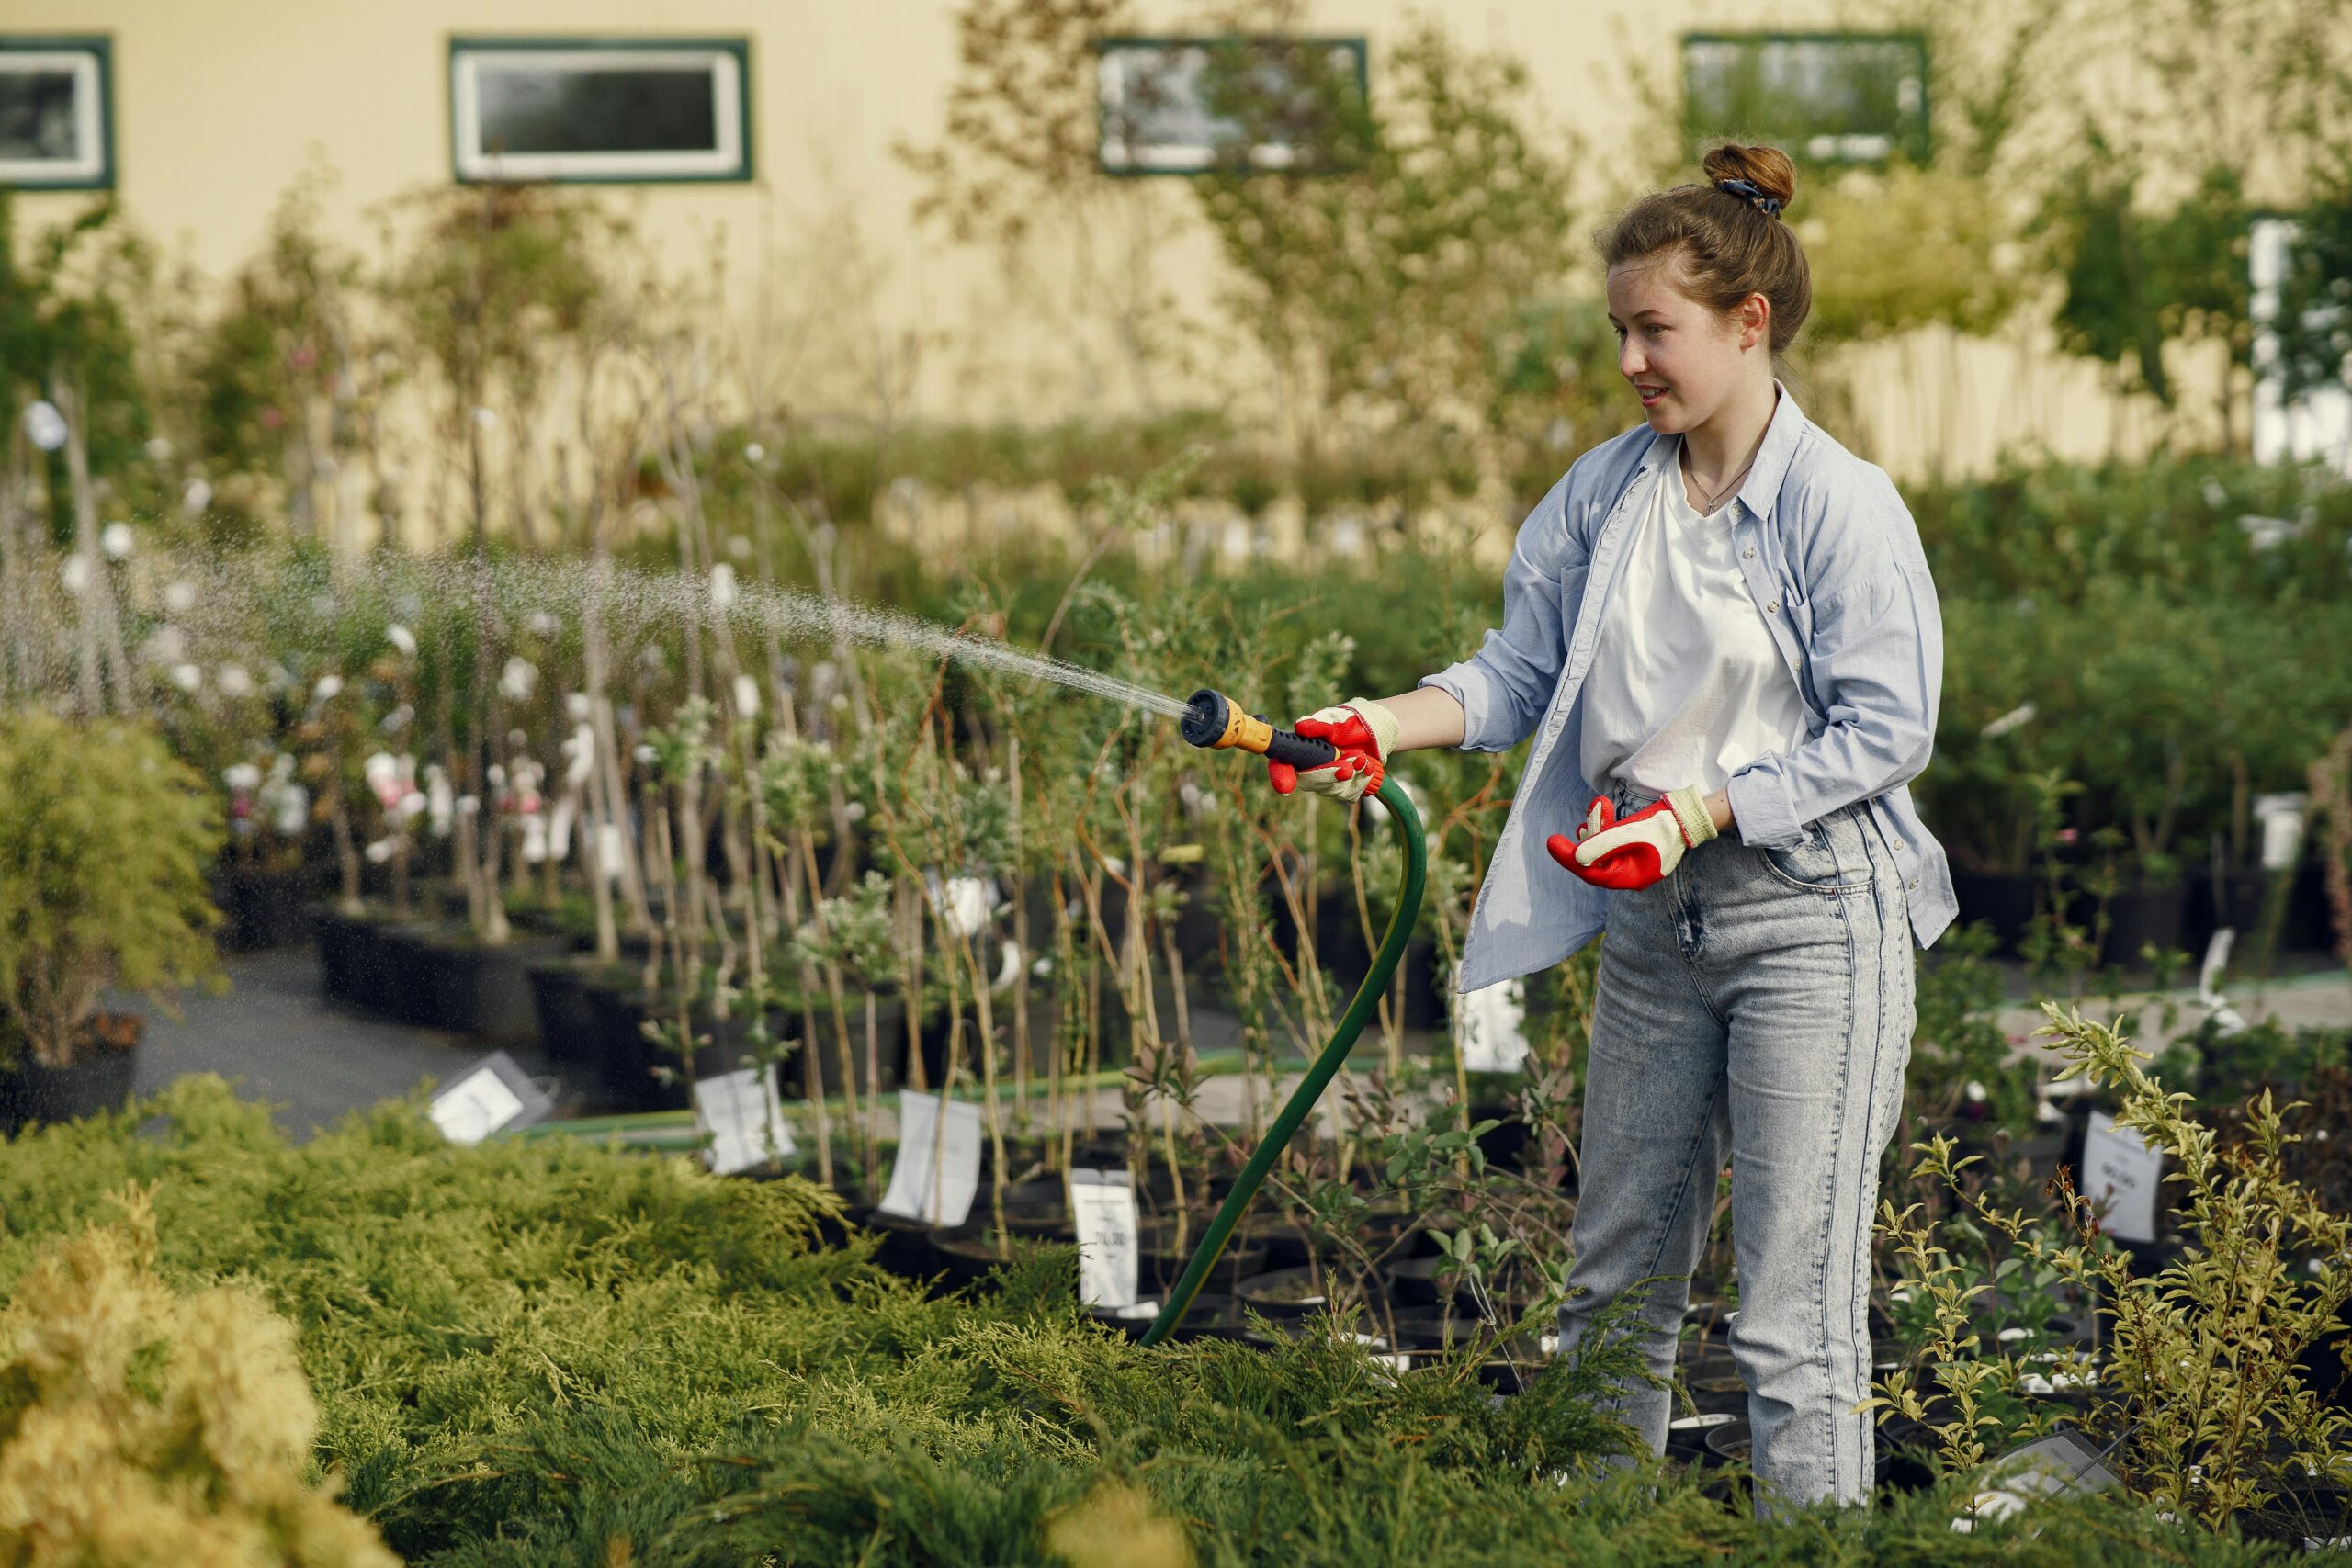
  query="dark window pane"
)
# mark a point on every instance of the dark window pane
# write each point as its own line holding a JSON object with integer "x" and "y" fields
{"x": 1195, "y": 104}
{"x": 527, "y": 109}
{"x": 36, "y": 120}
{"x": 1833, "y": 99}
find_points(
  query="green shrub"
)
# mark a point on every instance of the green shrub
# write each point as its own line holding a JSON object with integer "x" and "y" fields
{"x": 538, "y": 1353}
{"x": 103, "y": 841}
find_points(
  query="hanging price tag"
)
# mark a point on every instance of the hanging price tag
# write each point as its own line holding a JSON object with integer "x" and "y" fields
{"x": 744, "y": 1117}
{"x": 2119, "y": 1177}
{"x": 1103, "y": 1213}
{"x": 938, "y": 1168}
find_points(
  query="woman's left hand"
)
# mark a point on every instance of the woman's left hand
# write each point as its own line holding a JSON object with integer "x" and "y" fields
{"x": 1637, "y": 850}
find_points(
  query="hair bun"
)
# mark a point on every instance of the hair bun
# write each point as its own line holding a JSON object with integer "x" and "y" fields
{"x": 1766, "y": 168}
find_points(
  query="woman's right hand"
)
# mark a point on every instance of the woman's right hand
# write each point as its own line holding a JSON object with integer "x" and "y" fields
{"x": 1365, "y": 732}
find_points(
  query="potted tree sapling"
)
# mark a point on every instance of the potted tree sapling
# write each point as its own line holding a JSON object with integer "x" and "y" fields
{"x": 103, "y": 843}
{"x": 262, "y": 883}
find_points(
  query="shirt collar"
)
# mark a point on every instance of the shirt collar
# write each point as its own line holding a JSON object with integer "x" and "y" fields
{"x": 1762, "y": 486}
{"x": 1756, "y": 492}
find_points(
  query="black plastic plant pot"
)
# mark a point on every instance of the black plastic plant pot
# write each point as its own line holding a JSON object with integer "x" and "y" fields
{"x": 1211, "y": 1316}
{"x": 1905, "y": 1457}
{"x": 343, "y": 941}
{"x": 727, "y": 1046}
{"x": 2326, "y": 1368}
{"x": 886, "y": 1073}
{"x": 2003, "y": 900}
{"x": 1731, "y": 1442}
{"x": 1044, "y": 1014}
{"x": 963, "y": 1257}
{"x": 623, "y": 1057}
{"x": 364, "y": 961}
{"x": 2207, "y": 906}
{"x": 1715, "y": 1318}
{"x": 2304, "y": 1515}
{"x": 1429, "y": 1280}
{"x": 262, "y": 909}
{"x": 100, "y": 1078}
{"x": 567, "y": 1023}
{"x": 2309, "y": 923}
{"x": 1430, "y": 1330}
{"x": 2136, "y": 917}
{"x": 1161, "y": 1263}
{"x": 1286, "y": 1245}
{"x": 1688, "y": 1456}
{"x": 400, "y": 979}
{"x": 1715, "y": 1385}
{"x": 1037, "y": 1208}
{"x": 1508, "y": 1144}
{"x": 485, "y": 991}
{"x": 1693, "y": 1429}
{"x": 1297, "y": 1293}
{"x": 905, "y": 1248}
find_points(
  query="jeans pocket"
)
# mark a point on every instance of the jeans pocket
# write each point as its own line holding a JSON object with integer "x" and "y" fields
{"x": 1830, "y": 860}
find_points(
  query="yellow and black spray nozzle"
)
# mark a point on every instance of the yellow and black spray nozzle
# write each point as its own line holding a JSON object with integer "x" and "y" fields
{"x": 1216, "y": 724}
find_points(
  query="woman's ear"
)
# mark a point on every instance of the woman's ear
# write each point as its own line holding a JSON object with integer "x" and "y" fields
{"x": 1754, "y": 322}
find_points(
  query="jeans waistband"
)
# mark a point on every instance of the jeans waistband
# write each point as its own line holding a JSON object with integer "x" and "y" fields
{"x": 1630, "y": 798}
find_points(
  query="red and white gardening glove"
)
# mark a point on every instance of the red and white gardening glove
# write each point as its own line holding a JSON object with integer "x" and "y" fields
{"x": 1634, "y": 851}
{"x": 1363, "y": 730}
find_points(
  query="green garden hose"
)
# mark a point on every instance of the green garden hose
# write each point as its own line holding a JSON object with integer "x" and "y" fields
{"x": 1318, "y": 1075}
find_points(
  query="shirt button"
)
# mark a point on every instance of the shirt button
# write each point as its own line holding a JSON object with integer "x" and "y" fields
{"x": 1750, "y": 551}
{"x": 1914, "y": 881}
{"x": 1774, "y": 607}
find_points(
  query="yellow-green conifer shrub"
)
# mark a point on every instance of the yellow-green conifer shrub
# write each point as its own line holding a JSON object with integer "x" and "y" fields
{"x": 139, "y": 1426}
{"x": 103, "y": 841}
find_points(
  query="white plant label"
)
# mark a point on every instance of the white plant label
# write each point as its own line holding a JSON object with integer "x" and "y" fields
{"x": 2121, "y": 1175}
{"x": 2283, "y": 827}
{"x": 1103, "y": 1212}
{"x": 938, "y": 1168}
{"x": 2217, "y": 958}
{"x": 744, "y": 1117}
{"x": 474, "y": 1107}
{"x": 1491, "y": 1027}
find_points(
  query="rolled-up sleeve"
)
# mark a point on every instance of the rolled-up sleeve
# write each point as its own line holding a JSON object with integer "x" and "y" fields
{"x": 1505, "y": 686}
{"x": 1876, "y": 658}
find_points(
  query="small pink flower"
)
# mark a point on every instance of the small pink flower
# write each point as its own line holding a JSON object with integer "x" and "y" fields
{"x": 2066, "y": 835}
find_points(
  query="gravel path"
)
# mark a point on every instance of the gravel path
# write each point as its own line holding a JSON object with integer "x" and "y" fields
{"x": 279, "y": 1037}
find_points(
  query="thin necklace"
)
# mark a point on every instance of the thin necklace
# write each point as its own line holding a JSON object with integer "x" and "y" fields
{"x": 1682, "y": 455}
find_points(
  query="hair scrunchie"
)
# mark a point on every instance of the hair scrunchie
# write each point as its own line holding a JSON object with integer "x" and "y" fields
{"x": 1752, "y": 193}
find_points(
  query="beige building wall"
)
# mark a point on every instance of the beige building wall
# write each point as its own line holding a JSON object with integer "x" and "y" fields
{"x": 220, "y": 105}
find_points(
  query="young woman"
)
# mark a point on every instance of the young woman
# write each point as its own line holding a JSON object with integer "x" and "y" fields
{"x": 1720, "y": 628}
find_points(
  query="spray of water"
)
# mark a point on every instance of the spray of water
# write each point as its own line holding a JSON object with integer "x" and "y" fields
{"x": 203, "y": 609}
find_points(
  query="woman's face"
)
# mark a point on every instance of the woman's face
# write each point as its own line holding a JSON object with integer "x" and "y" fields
{"x": 1682, "y": 358}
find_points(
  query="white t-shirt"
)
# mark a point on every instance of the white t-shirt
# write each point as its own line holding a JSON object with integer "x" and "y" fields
{"x": 1686, "y": 685}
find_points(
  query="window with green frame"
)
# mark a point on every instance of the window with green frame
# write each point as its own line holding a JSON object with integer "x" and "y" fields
{"x": 56, "y": 113}
{"x": 1185, "y": 105}
{"x": 600, "y": 110}
{"x": 1826, "y": 98}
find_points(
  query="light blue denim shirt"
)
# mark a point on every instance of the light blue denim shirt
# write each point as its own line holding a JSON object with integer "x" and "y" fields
{"x": 1833, "y": 558}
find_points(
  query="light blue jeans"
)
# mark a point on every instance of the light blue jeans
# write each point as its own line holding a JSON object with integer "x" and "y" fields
{"x": 1756, "y": 1005}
